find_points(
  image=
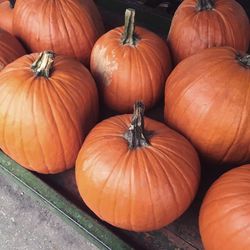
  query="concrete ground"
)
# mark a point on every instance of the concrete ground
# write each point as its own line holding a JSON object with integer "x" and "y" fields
{"x": 26, "y": 224}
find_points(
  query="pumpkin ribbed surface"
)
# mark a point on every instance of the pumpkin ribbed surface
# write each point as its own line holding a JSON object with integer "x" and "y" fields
{"x": 43, "y": 121}
{"x": 137, "y": 189}
{"x": 225, "y": 213}
{"x": 127, "y": 71}
{"x": 193, "y": 29}
{"x": 68, "y": 27}
{"x": 6, "y": 16}
{"x": 10, "y": 49}
{"x": 207, "y": 98}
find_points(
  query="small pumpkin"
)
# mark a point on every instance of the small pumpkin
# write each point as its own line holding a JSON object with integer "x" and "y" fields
{"x": 68, "y": 27}
{"x": 207, "y": 99}
{"x": 200, "y": 24}
{"x": 130, "y": 63}
{"x": 6, "y": 14}
{"x": 224, "y": 218}
{"x": 47, "y": 105}
{"x": 10, "y": 48}
{"x": 136, "y": 173}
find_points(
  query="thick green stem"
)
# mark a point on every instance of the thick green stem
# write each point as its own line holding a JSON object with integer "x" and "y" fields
{"x": 128, "y": 36}
{"x": 205, "y": 5}
{"x": 136, "y": 134}
{"x": 12, "y": 3}
{"x": 43, "y": 64}
{"x": 244, "y": 60}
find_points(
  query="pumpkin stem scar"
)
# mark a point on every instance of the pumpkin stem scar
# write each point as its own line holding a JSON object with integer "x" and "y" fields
{"x": 129, "y": 37}
{"x": 204, "y": 5}
{"x": 43, "y": 64}
{"x": 12, "y": 3}
{"x": 136, "y": 134}
{"x": 244, "y": 60}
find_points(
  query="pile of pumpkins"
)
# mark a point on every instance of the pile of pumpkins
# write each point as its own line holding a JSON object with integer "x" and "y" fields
{"x": 57, "y": 66}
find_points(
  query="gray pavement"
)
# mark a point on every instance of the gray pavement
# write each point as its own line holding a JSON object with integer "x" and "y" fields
{"x": 27, "y": 224}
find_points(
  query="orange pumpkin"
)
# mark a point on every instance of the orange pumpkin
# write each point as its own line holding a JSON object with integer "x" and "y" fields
{"x": 6, "y": 15}
{"x": 207, "y": 99}
{"x": 130, "y": 63}
{"x": 10, "y": 49}
{"x": 225, "y": 212}
{"x": 200, "y": 24}
{"x": 134, "y": 177}
{"x": 47, "y": 105}
{"x": 68, "y": 27}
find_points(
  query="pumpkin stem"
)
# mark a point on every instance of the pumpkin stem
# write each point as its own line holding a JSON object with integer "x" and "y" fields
{"x": 129, "y": 36}
{"x": 244, "y": 60}
{"x": 43, "y": 64}
{"x": 12, "y": 3}
{"x": 135, "y": 134}
{"x": 204, "y": 5}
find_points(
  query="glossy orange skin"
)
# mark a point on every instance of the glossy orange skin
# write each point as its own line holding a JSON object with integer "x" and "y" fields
{"x": 142, "y": 189}
{"x": 43, "y": 121}
{"x": 6, "y": 14}
{"x": 126, "y": 73}
{"x": 191, "y": 31}
{"x": 207, "y": 99}
{"x": 224, "y": 218}
{"x": 10, "y": 48}
{"x": 68, "y": 27}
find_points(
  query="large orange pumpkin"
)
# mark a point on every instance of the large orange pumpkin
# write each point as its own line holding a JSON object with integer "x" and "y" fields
{"x": 130, "y": 63}
{"x": 137, "y": 178}
{"x": 47, "y": 105}
{"x": 68, "y": 27}
{"x": 6, "y": 15}
{"x": 207, "y": 98}
{"x": 10, "y": 49}
{"x": 200, "y": 24}
{"x": 225, "y": 213}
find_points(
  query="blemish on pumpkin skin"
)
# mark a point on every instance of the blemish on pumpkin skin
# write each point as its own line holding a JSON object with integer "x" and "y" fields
{"x": 104, "y": 66}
